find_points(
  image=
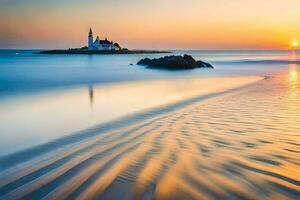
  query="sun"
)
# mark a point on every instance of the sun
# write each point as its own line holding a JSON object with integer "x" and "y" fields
{"x": 295, "y": 44}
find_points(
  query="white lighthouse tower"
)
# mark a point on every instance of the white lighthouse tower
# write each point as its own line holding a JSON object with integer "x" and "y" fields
{"x": 99, "y": 44}
{"x": 90, "y": 40}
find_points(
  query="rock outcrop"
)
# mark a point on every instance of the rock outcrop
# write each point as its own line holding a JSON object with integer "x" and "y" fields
{"x": 174, "y": 63}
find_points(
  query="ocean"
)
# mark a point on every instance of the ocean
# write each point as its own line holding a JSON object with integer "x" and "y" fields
{"x": 95, "y": 126}
{"x": 23, "y": 72}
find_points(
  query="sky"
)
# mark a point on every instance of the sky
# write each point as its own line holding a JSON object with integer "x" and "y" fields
{"x": 151, "y": 24}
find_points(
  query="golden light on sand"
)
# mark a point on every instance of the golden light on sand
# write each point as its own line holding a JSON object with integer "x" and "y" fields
{"x": 293, "y": 74}
{"x": 293, "y": 83}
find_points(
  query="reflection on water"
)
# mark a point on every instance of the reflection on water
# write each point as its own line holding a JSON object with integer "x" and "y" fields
{"x": 293, "y": 56}
{"x": 293, "y": 75}
{"x": 91, "y": 94}
{"x": 33, "y": 120}
{"x": 242, "y": 145}
{"x": 293, "y": 81}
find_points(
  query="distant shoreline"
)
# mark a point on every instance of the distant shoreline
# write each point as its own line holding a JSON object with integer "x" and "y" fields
{"x": 92, "y": 52}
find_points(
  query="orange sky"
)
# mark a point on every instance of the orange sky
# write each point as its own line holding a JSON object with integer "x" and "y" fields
{"x": 151, "y": 24}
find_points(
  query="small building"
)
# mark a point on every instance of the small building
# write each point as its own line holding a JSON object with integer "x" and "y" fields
{"x": 100, "y": 44}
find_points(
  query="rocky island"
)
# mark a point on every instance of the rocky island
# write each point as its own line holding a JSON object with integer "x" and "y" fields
{"x": 91, "y": 52}
{"x": 100, "y": 46}
{"x": 174, "y": 63}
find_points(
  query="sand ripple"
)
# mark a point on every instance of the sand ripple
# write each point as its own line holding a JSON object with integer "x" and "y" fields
{"x": 240, "y": 145}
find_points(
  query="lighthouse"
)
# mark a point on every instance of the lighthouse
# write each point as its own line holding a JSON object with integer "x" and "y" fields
{"x": 99, "y": 44}
{"x": 90, "y": 40}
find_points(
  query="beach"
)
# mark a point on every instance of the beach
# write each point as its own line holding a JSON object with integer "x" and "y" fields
{"x": 72, "y": 110}
{"x": 150, "y": 100}
{"x": 210, "y": 135}
{"x": 178, "y": 154}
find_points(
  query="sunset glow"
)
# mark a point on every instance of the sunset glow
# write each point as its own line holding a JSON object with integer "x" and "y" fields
{"x": 151, "y": 23}
{"x": 295, "y": 44}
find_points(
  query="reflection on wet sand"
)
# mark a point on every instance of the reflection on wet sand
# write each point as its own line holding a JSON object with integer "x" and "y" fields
{"x": 91, "y": 94}
{"x": 242, "y": 145}
{"x": 63, "y": 112}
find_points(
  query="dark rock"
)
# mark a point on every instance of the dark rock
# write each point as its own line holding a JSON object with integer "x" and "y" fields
{"x": 202, "y": 64}
{"x": 145, "y": 61}
{"x": 174, "y": 63}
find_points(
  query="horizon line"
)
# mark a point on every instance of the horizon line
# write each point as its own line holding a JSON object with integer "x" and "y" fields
{"x": 287, "y": 49}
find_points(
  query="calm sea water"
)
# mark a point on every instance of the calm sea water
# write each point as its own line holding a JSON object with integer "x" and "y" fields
{"x": 22, "y": 71}
{"x": 96, "y": 127}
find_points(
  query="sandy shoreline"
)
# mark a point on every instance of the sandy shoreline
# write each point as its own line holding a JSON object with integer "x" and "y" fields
{"x": 198, "y": 149}
{"x": 78, "y": 109}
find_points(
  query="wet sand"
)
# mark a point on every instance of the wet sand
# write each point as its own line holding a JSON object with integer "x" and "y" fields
{"x": 237, "y": 144}
{"x": 31, "y": 120}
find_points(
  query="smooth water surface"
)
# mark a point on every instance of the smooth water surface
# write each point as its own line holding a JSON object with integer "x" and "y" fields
{"x": 22, "y": 71}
